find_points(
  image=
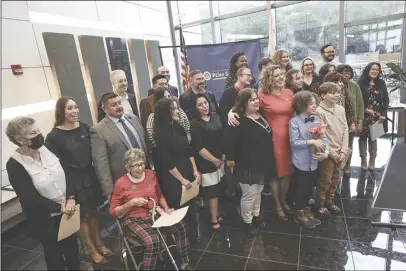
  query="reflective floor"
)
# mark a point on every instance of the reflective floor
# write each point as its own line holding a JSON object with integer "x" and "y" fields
{"x": 344, "y": 242}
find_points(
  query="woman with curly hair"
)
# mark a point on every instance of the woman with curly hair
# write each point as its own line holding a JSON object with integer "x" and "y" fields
{"x": 277, "y": 105}
{"x": 178, "y": 167}
{"x": 281, "y": 58}
{"x": 238, "y": 60}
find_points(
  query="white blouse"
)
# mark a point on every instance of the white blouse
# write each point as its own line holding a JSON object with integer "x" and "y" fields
{"x": 47, "y": 176}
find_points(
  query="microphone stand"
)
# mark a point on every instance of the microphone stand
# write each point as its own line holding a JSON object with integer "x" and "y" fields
{"x": 159, "y": 232}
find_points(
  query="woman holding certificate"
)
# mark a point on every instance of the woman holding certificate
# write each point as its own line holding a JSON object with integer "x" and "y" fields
{"x": 130, "y": 199}
{"x": 39, "y": 181}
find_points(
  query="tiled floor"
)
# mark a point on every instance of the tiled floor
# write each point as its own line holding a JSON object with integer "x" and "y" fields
{"x": 345, "y": 242}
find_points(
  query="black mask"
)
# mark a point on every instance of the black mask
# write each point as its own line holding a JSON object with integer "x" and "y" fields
{"x": 37, "y": 142}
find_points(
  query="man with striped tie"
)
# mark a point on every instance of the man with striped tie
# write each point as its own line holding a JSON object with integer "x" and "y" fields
{"x": 111, "y": 138}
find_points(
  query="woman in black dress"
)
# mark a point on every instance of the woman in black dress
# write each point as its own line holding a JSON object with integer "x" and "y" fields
{"x": 207, "y": 135}
{"x": 376, "y": 102}
{"x": 178, "y": 167}
{"x": 249, "y": 148}
{"x": 69, "y": 140}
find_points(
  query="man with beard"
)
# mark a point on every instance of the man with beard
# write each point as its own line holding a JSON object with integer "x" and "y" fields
{"x": 188, "y": 99}
{"x": 172, "y": 89}
{"x": 120, "y": 85}
{"x": 327, "y": 55}
{"x": 111, "y": 138}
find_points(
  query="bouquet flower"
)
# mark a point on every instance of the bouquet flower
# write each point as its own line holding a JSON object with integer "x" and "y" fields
{"x": 317, "y": 133}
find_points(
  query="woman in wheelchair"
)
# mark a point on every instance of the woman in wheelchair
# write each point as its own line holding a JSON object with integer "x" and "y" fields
{"x": 130, "y": 200}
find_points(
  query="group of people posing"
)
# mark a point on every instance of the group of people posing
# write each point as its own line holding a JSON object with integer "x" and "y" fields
{"x": 266, "y": 134}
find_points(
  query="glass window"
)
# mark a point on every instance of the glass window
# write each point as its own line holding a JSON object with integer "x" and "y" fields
{"x": 245, "y": 27}
{"x": 374, "y": 42}
{"x": 358, "y": 10}
{"x": 189, "y": 11}
{"x": 226, "y": 7}
{"x": 196, "y": 35}
{"x": 304, "y": 28}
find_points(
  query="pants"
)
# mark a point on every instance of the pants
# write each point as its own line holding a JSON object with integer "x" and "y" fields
{"x": 64, "y": 253}
{"x": 304, "y": 187}
{"x": 149, "y": 237}
{"x": 291, "y": 195}
{"x": 350, "y": 144}
{"x": 329, "y": 177}
{"x": 250, "y": 201}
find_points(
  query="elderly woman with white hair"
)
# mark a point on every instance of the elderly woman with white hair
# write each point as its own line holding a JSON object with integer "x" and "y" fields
{"x": 38, "y": 179}
{"x": 130, "y": 200}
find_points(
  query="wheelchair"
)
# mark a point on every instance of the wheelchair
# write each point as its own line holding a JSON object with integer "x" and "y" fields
{"x": 126, "y": 245}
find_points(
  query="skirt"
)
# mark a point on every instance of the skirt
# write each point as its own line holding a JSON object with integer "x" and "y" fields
{"x": 211, "y": 183}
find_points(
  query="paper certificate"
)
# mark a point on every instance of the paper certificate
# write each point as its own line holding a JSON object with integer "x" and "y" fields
{"x": 166, "y": 220}
{"x": 67, "y": 227}
{"x": 189, "y": 194}
{"x": 376, "y": 130}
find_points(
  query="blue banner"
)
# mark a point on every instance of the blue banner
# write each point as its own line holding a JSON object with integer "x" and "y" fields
{"x": 214, "y": 61}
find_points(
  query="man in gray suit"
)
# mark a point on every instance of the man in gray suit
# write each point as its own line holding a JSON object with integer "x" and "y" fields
{"x": 111, "y": 138}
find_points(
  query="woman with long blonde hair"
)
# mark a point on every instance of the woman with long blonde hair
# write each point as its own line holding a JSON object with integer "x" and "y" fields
{"x": 277, "y": 105}
{"x": 282, "y": 59}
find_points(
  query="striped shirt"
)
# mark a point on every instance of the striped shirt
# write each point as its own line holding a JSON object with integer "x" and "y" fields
{"x": 183, "y": 121}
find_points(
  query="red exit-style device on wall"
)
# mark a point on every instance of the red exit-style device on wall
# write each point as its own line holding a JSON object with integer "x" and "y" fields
{"x": 17, "y": 69}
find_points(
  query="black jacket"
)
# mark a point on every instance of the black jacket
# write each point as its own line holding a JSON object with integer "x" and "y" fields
{"x": 188, "y": 102}
{"x": 131, "y": 99}
{"x": 36, "y": 208}
{"x": 381, "y": 85}
{"x": 227, "y": 101}
{"x": 172, "y": 90}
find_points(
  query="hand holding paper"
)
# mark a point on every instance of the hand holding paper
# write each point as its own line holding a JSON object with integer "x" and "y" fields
{"x": 188, "y": 194}
{"x": 69, "y": 225}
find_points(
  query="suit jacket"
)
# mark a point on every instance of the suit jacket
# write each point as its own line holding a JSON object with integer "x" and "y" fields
{"x": 108, "y": 148}
{"x": 131, "y": 99}
{"x": 188, "y": 102}
{"x": 146, "y": 108}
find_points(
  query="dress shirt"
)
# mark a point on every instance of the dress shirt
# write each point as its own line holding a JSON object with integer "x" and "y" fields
{"x": 299, "y": 135}
{"x": 132, "y": 129}
{"x": 47, "y": 175}
{"x": 126, "y": 104}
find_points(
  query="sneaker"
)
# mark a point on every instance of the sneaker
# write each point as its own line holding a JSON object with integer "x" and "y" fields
{"x": 186, "y": 267}
{"x": 308, "y": 213}
{"x": 307, "y": 224}
{"x": 266, "y": 191}
{"x": 323, "y": 211}
{"x": 251, "y": 230}
{"x": 334, "y": 209}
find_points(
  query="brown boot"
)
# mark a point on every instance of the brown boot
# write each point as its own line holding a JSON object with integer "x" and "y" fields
{"x": 362, "y": 144}
{"x": 372, "y": 148}
{"x": 303, "y": 221}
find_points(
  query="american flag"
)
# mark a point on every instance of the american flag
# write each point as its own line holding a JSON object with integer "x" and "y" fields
{"x": 184, "y": 70}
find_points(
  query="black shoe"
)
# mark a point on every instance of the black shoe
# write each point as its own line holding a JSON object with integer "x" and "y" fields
{"x": 187, "y": 267}
{"x": 255, "y": 222}
{"x": 251, "y": 230}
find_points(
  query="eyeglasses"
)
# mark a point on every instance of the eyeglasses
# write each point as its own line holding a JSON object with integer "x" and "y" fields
{"x": 139, "y": 165}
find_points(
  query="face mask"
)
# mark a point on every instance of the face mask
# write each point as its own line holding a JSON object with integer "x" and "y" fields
{"x": 37, "y": 142}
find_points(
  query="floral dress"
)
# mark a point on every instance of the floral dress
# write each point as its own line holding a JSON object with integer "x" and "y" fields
{"x": 374, "y": 103}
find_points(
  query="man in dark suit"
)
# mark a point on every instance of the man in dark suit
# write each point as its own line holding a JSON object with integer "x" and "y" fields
{"x": 120, "y": 85}
{"x": 188, "y": 99}
{"x": 111, "y": 138}
{"x": 172, "y": 89}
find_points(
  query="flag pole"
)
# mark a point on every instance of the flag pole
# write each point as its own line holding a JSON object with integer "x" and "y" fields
{"x": 271, "y": 31}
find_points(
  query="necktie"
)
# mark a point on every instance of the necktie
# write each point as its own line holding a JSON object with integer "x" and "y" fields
{"x": 130, "y": 135}
{"x": 309, "y": 119}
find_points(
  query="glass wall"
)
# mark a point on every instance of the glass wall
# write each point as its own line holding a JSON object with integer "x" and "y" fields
{"x": 304, "y": 28}
{"x": 372, "y": 29}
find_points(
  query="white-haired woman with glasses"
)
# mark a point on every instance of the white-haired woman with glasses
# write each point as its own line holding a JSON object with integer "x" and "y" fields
{"x": 39, "y": 181}
{"x": 130, "y": 199}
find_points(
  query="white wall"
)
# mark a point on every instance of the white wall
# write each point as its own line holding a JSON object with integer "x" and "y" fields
{"x": 23, "y": 23}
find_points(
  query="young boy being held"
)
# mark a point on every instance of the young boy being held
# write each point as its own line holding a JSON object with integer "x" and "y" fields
{"x": 337, "y": 135}
{"x": 305, "y": 162}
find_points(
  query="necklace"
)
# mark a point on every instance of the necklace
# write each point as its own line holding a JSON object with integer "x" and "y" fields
{"x": 266, "y": 126}
{"x": 33, "y": 160}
